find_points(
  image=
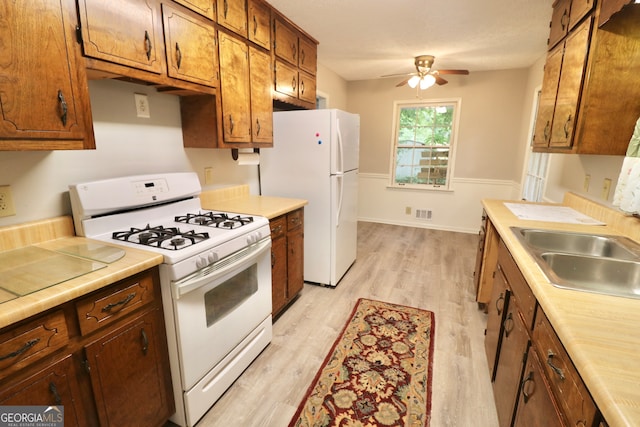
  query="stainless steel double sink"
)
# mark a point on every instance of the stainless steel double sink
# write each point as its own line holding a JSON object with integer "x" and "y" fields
{"x": 586, "y": 262}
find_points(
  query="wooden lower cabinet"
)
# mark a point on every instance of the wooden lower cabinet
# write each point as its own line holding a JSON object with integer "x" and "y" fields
{"x": 536, "y": 406}
{"x": 534, "y": 380}
{"x": 128, "y": 376}
{"x": 54, "y": 384}
{"x": 114, "y": 374}
{"x": 287, "y": 258}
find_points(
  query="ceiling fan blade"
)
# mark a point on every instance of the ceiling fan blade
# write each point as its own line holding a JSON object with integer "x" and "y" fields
{"x": 400, "y": 74}
{"x": 464, "y": 72}
{"x": 403, "y": 82}
{"x": 439, "y": 80}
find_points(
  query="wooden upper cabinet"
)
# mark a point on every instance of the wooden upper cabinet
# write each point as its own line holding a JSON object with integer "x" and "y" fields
{"x": 235, "y": 89}
{"x": 44, "y": 96}
{"x": 232, "y": 14}
{"x": 547, "y": 101}
{"x": 568, "y": 92}
{"x": 261, "y": 99}
{"x": 191, "y": 44}
{"x": 610, "y": 8}
{"x": 136, "y": 41}
{"x": 286, "y": 79}
{"x": 306, "y": 87}
{"x": 286, "y": 42}
{"x": 205, "y": 8}
{"x": 559, "y": 22}
{"x": 566, "y": 15}
{"x": 259, "y": 19}
{"x": 308, "y": 52}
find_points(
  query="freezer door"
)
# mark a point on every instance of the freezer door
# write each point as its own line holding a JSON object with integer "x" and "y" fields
{"x": 344, "y": 223}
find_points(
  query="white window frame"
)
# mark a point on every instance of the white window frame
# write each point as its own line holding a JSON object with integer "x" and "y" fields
{"x": 397, "y": 105}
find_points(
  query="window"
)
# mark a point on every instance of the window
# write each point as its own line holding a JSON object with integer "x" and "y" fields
{"x": 536, "y": 175}
{"x": 424, "y": 140}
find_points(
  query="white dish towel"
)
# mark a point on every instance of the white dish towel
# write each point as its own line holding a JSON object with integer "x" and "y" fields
{"x": 627, "y": 194}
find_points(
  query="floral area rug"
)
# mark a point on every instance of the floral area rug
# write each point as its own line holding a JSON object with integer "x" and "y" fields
{"x": 378, "y": 372}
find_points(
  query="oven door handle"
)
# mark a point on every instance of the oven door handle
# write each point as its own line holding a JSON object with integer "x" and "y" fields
{"x": 208, "y": 274}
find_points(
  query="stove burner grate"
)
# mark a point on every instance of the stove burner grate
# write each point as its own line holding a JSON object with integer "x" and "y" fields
{"x": 170, "y": 238}
{"x": 215, "y": 219}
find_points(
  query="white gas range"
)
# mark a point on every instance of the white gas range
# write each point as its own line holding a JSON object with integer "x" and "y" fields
{"x": 215, "y": 278}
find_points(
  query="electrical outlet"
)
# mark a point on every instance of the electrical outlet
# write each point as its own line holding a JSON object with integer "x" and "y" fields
{"x": 6, "y": 201}
{"x": 407, "y": 210}
{"x": 142, "y": 105}
{"x": 606, "y": 187}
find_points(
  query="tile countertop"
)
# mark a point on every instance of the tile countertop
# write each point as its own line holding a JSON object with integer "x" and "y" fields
{"x": 54, "y": 234}
{"x": 238, "y": 200}
{"x": 601, "y": 333}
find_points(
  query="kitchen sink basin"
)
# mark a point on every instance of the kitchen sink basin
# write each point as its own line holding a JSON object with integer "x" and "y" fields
{"x": 586, "y": 262}
{"x": 577, "y": 243}
{"x": 594, "y": 274}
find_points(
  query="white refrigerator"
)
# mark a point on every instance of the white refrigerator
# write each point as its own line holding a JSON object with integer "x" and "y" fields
{"x": 315, "y": 157}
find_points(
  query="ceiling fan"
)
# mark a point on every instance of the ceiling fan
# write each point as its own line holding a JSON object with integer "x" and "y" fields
{"x": 425, "y": 76}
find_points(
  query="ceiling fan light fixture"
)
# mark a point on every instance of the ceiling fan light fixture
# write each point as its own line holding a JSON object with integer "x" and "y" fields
{"x": 413, "y": 81}
{"x": 427, "y": 81}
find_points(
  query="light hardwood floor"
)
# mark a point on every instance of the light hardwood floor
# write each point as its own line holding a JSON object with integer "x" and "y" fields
{"x": 419, "y": 267}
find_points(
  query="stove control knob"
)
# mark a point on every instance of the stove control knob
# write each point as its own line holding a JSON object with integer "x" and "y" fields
{"x": 201, "y": 262}
{"x": 213, "y": 257}
{"x": 251, "y": 239}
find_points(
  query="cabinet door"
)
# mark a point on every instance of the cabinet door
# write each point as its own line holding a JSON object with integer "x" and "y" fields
{"x": 308, "y": 56}
{"x": 536, "y": 406}
{"x": 295, "y": 262}
{"x": 579, "y": 9}
{"x": 129, "y": 373}
{"x": 261, "y": 98}
{"x": 205, "y": 8}
{"x": 573, "y": 67}
{"x": 495, "y": 317}
{"x": 259, "y": 18}
{"x": 44, "y": 96}
{"x": 286, "y": 79}
{"x": 547, "y": 102}
{"x": 234, "y": 85}
{"x": 286, "y": 42}
{"x": 278, "y": 263}
{"x": 54, "y": 385}
{"x": 135, "y": 41}
{"x": 559, "y": 22}
{"x": 192, "y": 52}
{"x": 232, "y": 14}
{"x": 513, "y": 348}
{"x": 306, "y": 87}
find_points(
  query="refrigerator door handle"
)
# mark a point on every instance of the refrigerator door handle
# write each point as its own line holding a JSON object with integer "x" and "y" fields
{"x": 340, "y": 147}
{"x": 340, "y": 185}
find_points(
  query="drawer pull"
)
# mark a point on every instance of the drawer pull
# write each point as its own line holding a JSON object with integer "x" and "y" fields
{"x": 54, "y": 391}
{"x": 147, "y": 44}
{"x": 499, "y": 308}
{"x": 508, "y": 325}
{"x": 63, "y": 108}
{"x": 107, "y": 308}
{"x": 555, "y": 369}
{"x": 145, "y": 341}
{"x": 529, "y": 379}
{"x": 21, "y": 350}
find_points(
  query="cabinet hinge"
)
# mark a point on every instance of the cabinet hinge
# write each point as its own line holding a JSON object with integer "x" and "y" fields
{"x": 79, "y": 34}
{"x": 86, "y": 366}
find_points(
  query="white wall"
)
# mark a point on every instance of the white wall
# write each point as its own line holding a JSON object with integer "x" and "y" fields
{"x": 126, "y": 145}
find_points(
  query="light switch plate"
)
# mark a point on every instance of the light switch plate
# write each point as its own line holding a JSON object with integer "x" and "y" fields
{"x": 142, "y": 105}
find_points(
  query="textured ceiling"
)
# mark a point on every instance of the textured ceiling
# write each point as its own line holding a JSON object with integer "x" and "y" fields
{"x": 365, "y": 39}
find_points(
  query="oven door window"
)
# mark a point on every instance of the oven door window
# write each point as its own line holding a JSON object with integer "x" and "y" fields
{"x": 230, "y": 294}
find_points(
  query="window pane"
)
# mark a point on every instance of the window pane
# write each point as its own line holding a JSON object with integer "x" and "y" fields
{"x": 423, "y": 142}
